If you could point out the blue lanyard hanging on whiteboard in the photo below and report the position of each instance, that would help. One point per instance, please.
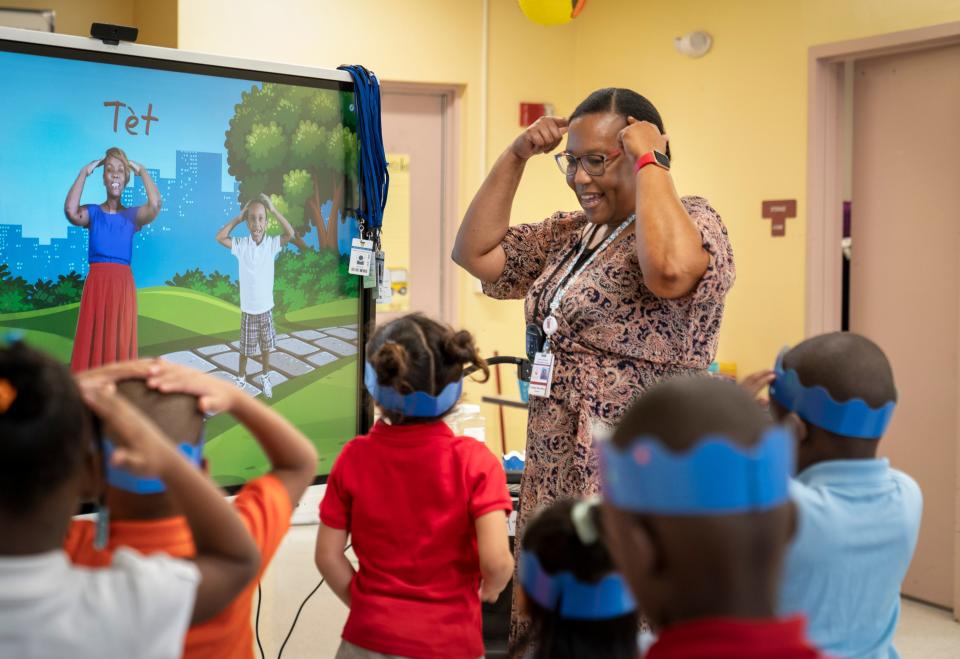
(372, 172)
(374, 184)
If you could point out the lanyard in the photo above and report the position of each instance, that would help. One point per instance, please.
(571, 254)
(550, 322)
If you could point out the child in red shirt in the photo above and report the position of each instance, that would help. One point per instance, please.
(425, 509)
(175, 398)
(697, 516)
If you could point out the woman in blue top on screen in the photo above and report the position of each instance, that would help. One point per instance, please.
(107, 324)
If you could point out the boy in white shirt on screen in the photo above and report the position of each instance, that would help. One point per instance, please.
(256, 254)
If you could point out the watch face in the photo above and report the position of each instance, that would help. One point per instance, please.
(662, 159)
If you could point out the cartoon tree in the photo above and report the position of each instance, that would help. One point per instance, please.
(14, 292)
(299, 146)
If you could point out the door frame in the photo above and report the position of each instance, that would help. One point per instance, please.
(451, 99)
(826, 65)
(825, 139)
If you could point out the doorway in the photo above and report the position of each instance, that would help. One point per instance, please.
(420, 137)
(904, 281)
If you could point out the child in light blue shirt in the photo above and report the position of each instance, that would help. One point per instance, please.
(858, 518)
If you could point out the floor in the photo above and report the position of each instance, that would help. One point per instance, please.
(928, 632)
(924, 631)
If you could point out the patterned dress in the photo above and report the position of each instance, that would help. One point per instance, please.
(615, 340)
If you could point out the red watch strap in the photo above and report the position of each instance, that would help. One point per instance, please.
(649, 158)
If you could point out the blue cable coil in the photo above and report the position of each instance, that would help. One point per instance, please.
(371, 161)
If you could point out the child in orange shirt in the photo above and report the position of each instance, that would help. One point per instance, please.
(145, 518)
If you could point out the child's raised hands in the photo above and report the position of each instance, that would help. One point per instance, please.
(214, 395)
(267, 201)
(113, 373)
(141, 447)
(755, 383)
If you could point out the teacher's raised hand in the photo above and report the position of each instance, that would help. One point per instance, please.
(90, 168)
(640, 137)
(542, 136)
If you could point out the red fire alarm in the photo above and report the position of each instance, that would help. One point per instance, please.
(530, 112)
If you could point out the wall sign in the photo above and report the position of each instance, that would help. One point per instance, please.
(778, 211)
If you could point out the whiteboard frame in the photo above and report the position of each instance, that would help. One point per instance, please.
(170, 54)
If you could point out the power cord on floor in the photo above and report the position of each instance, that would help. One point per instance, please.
(256, 623)
(296, 618)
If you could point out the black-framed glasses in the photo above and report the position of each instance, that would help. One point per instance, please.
(593, 164)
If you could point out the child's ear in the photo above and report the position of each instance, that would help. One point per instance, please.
(798, 427)
(644, 549)
(630, 545)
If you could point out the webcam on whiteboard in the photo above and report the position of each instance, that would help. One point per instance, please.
(112, 35)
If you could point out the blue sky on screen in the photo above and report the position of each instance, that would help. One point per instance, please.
(53, 122)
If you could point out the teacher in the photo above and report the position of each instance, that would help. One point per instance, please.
(107, 320)
(620, 295)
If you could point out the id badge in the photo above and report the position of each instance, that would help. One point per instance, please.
(372, 279)
(361, 257)
(385, 289)
(541, 375)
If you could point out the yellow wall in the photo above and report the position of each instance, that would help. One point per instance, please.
(737, 121)
(412, 41)
(157, 19)
(74, 17)
(737, 117)
(523, 67)
(432, 41)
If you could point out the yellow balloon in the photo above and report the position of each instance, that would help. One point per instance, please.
(551, 12)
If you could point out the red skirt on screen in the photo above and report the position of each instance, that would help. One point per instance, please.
(107, 325)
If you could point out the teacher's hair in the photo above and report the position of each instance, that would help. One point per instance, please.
(119, 154)
(416, 353)
(619, 100)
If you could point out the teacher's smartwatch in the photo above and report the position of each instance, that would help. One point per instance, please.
(652, 158)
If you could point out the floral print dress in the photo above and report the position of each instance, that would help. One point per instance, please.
(615, 339)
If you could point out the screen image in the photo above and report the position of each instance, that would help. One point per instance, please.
(202, 214)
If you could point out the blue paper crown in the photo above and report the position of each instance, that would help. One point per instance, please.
(124, 480)
(715, 477)
(815, 405)
(417, 403)
(574, 599)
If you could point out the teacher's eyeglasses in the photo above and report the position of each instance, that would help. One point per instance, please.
(593, 164)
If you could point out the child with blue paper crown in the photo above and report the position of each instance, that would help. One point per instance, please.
(51, 459)
(697, 516)
(146, 517)
(858, 517)
(578, 605)
(425, 510)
